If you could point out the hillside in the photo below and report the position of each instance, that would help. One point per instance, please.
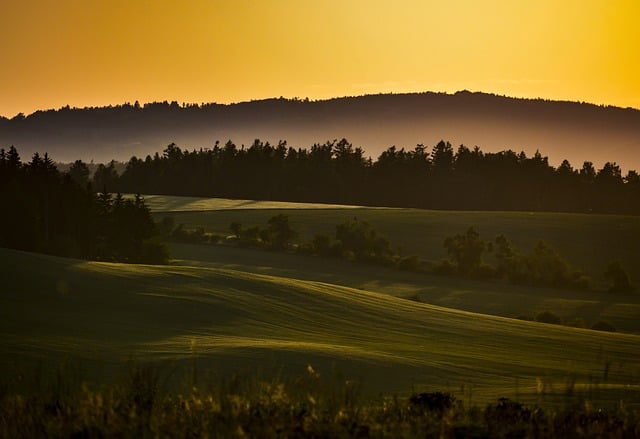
(588, 241)
(575, 131)
(104, 314)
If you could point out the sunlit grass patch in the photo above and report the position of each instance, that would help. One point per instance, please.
(169, 203)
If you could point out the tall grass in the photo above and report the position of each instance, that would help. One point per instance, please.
(311, 404)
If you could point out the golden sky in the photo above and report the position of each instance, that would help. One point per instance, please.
(100, 52)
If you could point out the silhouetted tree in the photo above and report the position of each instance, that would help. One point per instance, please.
(281, 234)
(338, 172)
(466, 251)
(79, 173)
(618, 277)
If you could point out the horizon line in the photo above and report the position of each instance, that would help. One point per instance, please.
(186, 104)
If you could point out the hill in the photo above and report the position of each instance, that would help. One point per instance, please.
(103, 313)
(560, 130)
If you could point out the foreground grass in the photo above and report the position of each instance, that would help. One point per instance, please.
(226, 320)
(308, 405)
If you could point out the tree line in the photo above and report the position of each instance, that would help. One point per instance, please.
(58, 213)
(469, 255)
(440, 177)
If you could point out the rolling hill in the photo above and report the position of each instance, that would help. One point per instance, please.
(103, 314)
(587, 241)
(560, 130)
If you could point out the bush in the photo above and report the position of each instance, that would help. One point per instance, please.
(618, 277)
(601, 325)
(434, 402)
(250, 236)
(281, 234)
(409, 263)
(414, 298)
(485, 271)
(466, 251)
(546, 267)
(508, 419)
(548, 317)
(579, 280)
(444, 267)
(363, 241)
(166, 226)
(322, 245)
(153, 252)
(577, 322)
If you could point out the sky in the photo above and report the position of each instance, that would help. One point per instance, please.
(104, 52)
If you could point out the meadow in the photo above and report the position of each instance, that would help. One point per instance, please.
(103, 314)
(266, 318)
(587, 242)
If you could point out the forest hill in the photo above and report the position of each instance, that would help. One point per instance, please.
(338, 172)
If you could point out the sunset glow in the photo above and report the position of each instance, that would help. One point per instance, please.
(99, 52)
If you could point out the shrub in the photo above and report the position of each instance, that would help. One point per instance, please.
(166, 226)
(414, 298)
(434, 402)
(577, 322)
(153, 252)
(601, 325)
(409, 263)
(281, 234)
(444, 267)
(466, 251)
(363, 241)
(548, 317)
(618, 277)
(579, 280)
(508, 419)
(322, 245)
(485, 271)
(250, 236)
(236, 228)
(510, 263)
(546, 266)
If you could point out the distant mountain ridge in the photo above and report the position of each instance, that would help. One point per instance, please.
(558, 129)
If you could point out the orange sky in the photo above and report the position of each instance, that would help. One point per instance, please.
(100, 52)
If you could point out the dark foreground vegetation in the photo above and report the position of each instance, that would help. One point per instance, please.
(140, 405)
(58, 213)
(338, 172)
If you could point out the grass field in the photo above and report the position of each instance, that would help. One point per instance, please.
(502, 299)
(588, 242)
(167, 203)
(102, 314)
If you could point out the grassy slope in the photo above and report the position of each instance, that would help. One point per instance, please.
(234, 320)
(168, 203)
(503, 299)
(589, 242)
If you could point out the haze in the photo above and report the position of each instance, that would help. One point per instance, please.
(80, 53)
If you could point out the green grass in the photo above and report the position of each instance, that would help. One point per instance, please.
(169, 203)
(502, 299)
(100, 314)
(588, 242)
